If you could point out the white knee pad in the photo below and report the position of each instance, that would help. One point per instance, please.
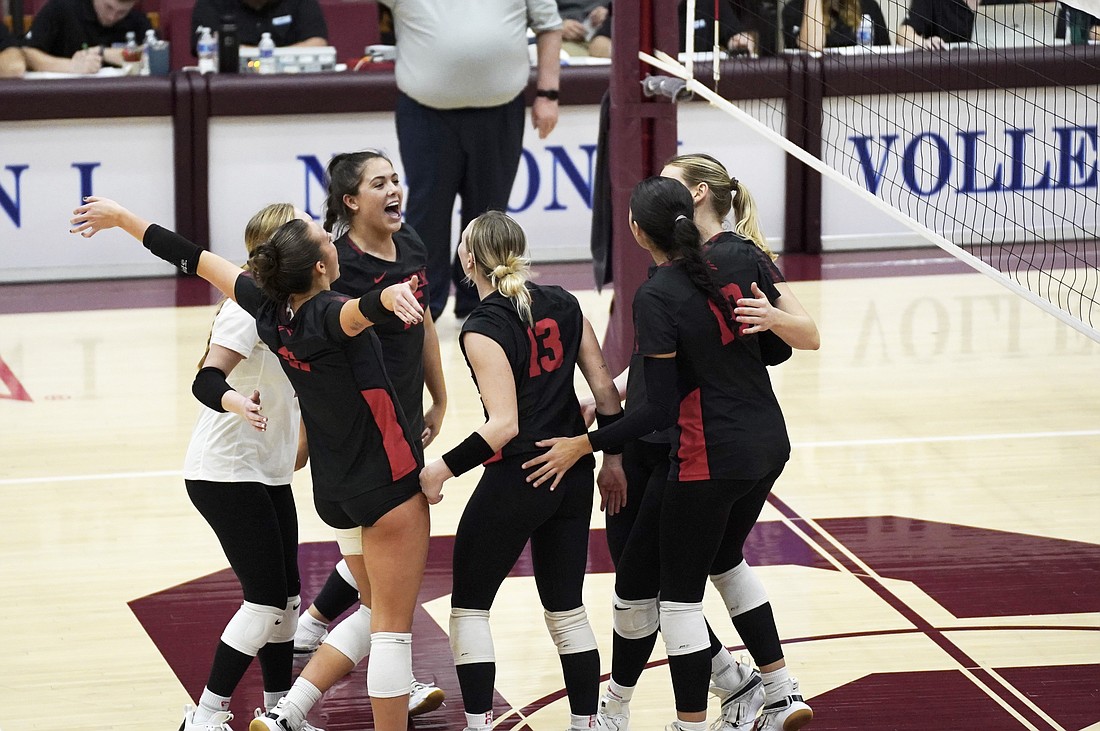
(570, 631)
(350, 541)
(345, 572)
(740, 588)
(471, 638)
(288, 625)
(389, 673)
(684, 627)
(635, 618)
(352, 636)
(251, 627)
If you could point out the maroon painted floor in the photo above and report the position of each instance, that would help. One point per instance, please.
(971, 572)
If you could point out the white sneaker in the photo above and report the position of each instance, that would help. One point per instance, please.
(306, 642)
(220, 721)
(740, 704)
(273, 720)
(424, 698)
(787, 714)
(612, 715)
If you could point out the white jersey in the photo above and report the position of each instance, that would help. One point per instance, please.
(225, 447)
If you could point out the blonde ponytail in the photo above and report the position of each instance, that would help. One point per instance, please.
(498, 244)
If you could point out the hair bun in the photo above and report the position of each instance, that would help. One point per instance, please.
(500, 271)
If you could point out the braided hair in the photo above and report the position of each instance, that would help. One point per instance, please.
(662, 208)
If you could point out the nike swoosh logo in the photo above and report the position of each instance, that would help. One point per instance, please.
(620, 609)
(379, 278)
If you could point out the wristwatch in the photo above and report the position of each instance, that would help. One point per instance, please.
(551, 94)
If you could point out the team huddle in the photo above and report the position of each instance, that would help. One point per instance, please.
(322, 353)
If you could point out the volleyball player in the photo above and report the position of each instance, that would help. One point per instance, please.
(714, 195)
(522, 343)
(364, 461)
(242, 453)
(705, 376)
(363, 210)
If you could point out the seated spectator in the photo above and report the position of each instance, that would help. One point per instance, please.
(290, 22)
(12, 62)
(932, 23)
(77, 35)
(813, 25)
(737, 31)
(580, 21)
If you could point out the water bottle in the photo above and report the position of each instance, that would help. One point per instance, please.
(131, 55)
(267, 54)
(865, 35)
(147, 47)
(207, 50)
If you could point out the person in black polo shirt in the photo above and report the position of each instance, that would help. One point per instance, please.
(290, 22)
(932, 23)
(77, 35)
(12, 62)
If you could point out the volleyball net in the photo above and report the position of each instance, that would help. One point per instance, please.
(989, 151)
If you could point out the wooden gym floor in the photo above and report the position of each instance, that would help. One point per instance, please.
(932, 550)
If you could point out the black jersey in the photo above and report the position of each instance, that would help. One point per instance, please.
(730, 425)
(358, 436)
(402, 344)
(543, 360)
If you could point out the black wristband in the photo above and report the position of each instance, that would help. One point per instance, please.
(551, 94)
(173, 248)
(209, 386)
(473, 451)
(603, 420)
(370, 305)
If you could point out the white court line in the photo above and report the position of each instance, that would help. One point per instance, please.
(794, 445)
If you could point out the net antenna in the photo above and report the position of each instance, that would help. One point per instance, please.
(1056, 266)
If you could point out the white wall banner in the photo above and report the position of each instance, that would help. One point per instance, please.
(1012, 164)
(47, 166)
(255, 161)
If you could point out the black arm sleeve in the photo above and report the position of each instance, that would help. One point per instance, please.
(173, 248)
(209, 386)
(658, 412)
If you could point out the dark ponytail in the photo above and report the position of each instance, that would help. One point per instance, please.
(342, 177)
(284, 265)
(662, 207)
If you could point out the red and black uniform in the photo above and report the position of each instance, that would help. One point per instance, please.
(402, 344)
(727, 447)
(730, 425)
(363, 458)
(505, 511)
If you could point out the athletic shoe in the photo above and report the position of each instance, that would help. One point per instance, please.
(741, 703)
(787, 714)
(220, 721)
(306, 642)
(612, 715)
(273, 720)
(424, 698)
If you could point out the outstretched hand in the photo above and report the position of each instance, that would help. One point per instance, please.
(97, 214)
(400, 299)
(249, 409)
